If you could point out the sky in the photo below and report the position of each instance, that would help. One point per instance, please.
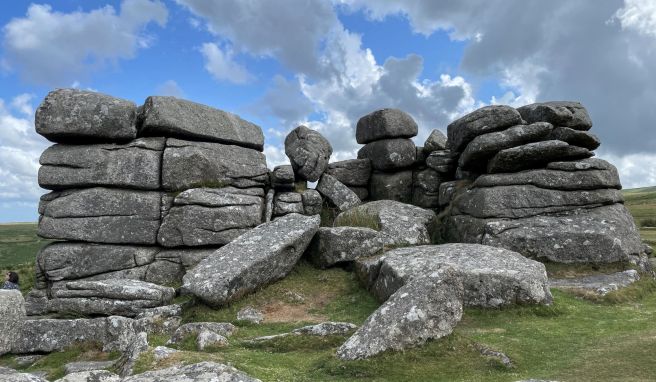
(326, 63)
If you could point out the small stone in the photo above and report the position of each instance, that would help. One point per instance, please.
(208, 338)
(250, 314)
(194, 328)
(163, 352)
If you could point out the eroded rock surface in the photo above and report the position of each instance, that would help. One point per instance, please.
(332, 245)
(384, 124)
(308, 152)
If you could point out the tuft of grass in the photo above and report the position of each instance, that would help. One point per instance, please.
(358, 218)
(564, 271)
(295, 343)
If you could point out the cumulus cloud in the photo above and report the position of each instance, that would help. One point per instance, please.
(639, 15)
(56, 48)
(221, 65)
(170, 88)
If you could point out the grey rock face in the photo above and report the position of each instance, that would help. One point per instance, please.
(428, 307)
(312, 202)
(599, 284)
(282, 178)
(12, 311)
(93, 375)
(383, 124)
(391, 186)
(525, 201)
(389, 154)
(325, 329)
(48, 335)
(77, 367)
(78, 116)
(214, 165)
(533, 155)
(447, 192)
(491, 276)
(259, 257)
(554, 179)
(268, 205)
(484, 147)
(361, 192)
(169, 116)
(425, 188)
(340, 195)
(400, 224)
(250, 314)
(308, 152)
(352, 172)
(133, 165)
(442, 161)
(211, 216)
(11, 375)
(207, 339)
(598, 235)
(110, 297)
(484, 120)
(287, 203)
(582, 165)
(558, 113)
(332, 245)
(435, 141)
(101, 215)
(199, 372)
(194, 328)
(575, 137)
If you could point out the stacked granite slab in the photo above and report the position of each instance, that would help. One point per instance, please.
(386, 137)
(528, 184)
(139, 193)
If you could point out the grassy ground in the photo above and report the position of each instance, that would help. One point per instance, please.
(575, 339)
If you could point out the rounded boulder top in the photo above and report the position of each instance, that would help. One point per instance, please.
(384, 124)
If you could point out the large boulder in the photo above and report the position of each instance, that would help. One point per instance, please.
(389, 154)
(558, 113)
(391, 186)
(484, 147)
(425, 188)
(352, 172)
(259, 257)
(188, 164)
(173, 117)
(132, 165)
(79, 116)
(11, 375)
(101, 215)
(484, 120)
(211, 216)
(554, 179)
(312, 202)
(491, 276)
(427, 307)
(575, 137)
(604, 234)
(383, 124)
(198, 372)
(332, 245)
(520, 201)
(109, 297)
(534, 155)
(12, 311)
(340, 195)
(287, 203)
(399, 223)
(309, 153)
(435, 141)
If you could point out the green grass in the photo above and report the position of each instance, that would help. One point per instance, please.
(19, 245)
(641, 202)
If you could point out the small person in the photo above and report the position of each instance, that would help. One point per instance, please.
(11, 281)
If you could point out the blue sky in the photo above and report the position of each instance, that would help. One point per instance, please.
(325, 64)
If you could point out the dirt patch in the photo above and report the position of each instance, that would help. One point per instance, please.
(282, 311)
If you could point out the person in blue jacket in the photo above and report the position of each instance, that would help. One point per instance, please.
(11, 281)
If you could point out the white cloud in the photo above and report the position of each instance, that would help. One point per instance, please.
(170, 88)
(639, 15)
(55, 48)
(221, 65)
(636, 170)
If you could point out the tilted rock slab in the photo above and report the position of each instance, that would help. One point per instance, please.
(400, 224)
(332, 245)
(384, 124)
(558, 113)
(79, 116)
(199, 372)
(485, 146)
(575, 137)
(309, 153)
(427, 307)
(173, 117)
(101, 215)
(214, 165)
(484, 120)
(132, 165)
(491, 276)
(259, 257)
(211, 216)
(110, 297)
(12, 311)
(435, 141)
(312, 202)
(11, 375)
(604, 234)
(389, 154)
(340, 195)
(352, 172)
(534, 155)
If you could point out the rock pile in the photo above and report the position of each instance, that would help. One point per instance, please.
(531, 186)
(138, 193)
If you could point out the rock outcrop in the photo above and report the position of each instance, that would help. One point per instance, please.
(12, 311)
(308, 152)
